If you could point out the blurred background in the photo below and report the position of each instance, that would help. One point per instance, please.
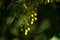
(29, 19)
